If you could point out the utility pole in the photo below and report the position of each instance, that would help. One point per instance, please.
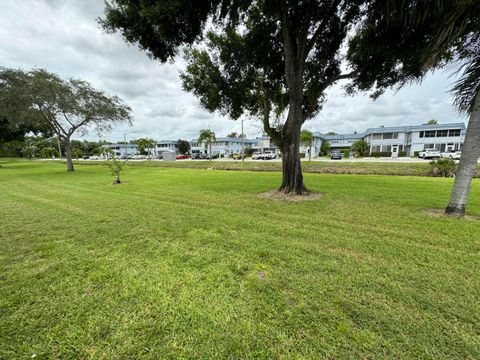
(243, 139)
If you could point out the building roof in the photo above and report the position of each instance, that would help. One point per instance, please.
(232, 139)
(166, 142)
(120, 145)
(341, 136)
(414, 128)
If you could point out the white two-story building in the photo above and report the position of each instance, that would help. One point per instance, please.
(165, 145)
(398, 140)
(122, 149)
(411, 139)
(227, 146)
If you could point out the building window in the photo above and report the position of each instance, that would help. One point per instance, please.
(454, 132)
(388, 136)
(442, 133)
(376, 148)
(430, 133)
(422, 134)
(377, 136)
(387, 148)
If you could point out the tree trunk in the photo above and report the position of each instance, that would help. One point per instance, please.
(210, 151)
(292, 178)
(68, 155)
(467, 167)
(310, 152)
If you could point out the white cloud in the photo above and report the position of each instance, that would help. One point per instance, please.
(63, 36)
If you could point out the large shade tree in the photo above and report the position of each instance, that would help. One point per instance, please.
(400, 41)
(67, 107)
(289, 52)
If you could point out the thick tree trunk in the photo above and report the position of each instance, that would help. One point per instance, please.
(467, 167)
(310, 152)
(68, 155)
(292, 177)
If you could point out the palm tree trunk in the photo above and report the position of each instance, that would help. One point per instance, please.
(310, 152)
(467, 167)
(210, 150)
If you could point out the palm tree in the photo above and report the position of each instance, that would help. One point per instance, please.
(306, 138)
(207, 136)
(146, 144)
(457, 39)
(437, 33)
(361, 147)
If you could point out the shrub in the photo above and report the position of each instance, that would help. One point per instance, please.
(360, 147)
(248, 151)
(415, 153)
(346, 153)
(443, 167)
(402, 154)
(381, 154)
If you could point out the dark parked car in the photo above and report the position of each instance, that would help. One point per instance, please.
(336, 155)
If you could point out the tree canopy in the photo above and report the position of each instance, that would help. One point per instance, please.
(66, 107)
(400, 41)
(183, 146)
(260, 57)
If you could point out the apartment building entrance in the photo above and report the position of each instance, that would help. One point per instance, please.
(394, 151)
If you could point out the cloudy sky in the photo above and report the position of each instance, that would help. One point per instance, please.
(63, 36)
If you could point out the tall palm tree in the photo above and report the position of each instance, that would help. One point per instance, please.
(146, 144)
(306, 138)
(207, 136)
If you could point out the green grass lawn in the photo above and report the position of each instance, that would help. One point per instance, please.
(322, 167)
(189, 263)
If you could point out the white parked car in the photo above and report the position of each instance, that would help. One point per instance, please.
(265, 156)
(455, 155)
(94, 157)
(429, 154)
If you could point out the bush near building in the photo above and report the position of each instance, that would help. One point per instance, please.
(443, 167)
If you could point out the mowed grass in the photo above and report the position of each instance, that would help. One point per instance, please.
(182, 263)
(321, 167)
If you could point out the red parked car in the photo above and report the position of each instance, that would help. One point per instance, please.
(182, 157)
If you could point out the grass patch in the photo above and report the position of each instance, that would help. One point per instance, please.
(178, 263)
(320, 167)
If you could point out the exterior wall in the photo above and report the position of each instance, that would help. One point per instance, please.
(379, 144)
(442, 143)
(162, 146)
(223, 146)
(414, 138)
(264, 144)
(122, 149)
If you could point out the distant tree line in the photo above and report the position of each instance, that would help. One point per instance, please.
(38, 146)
